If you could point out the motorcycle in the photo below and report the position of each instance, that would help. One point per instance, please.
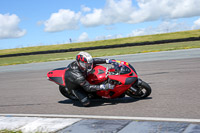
(121, 74)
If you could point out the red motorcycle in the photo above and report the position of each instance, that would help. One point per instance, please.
(121, 74)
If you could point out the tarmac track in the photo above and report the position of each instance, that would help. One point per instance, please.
(175, 84)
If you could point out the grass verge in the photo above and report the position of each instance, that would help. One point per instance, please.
(174, 35)
(8, 131)
(99, 53)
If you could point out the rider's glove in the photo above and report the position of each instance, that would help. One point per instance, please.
(108, 61)
(114, 63)
(106, 86)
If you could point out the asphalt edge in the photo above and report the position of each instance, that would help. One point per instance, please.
(105, 117)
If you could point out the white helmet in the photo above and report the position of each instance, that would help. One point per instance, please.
(84, 61)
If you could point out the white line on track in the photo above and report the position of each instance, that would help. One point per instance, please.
(105, 117)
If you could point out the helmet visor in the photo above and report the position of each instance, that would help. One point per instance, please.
(86, 66)
(89, 66)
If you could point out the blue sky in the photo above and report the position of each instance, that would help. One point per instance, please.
(26, 23)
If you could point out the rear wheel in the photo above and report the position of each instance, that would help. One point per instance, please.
(66, 93)
(140, 91)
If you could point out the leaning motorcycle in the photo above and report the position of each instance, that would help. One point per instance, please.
(121, 74)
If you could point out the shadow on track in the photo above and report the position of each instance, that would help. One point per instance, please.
(103, 102)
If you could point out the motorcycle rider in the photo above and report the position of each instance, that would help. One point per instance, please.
(75, 77)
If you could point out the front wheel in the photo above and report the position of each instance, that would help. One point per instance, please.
(142, 90)
(66, 93)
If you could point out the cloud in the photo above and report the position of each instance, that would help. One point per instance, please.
(92, 19)
(114, 12)
(9, 26)
(85, 9)
(164, 27)
(108, 37)
(123, 11)
(83, 37)
(62, 20)
(196, 24)
(166, 9)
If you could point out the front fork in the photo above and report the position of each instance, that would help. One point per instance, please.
(139, 82)
(135, 88)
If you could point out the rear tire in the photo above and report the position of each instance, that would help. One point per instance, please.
(143, 91)
(67, 94)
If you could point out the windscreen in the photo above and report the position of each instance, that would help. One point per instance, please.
(124, 70)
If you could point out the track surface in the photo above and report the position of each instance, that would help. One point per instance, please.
(175, 84)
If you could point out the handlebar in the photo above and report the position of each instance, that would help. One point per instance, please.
(118, 68)
(115, 69)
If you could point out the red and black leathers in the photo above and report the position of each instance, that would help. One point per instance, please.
(76, 81)
(75, 78)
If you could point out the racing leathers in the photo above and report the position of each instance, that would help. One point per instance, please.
(76, 82)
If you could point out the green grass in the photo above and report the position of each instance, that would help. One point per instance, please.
(99, 53)
(175, 35)
(8, 131)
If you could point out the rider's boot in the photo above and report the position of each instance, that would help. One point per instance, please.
(81, 95)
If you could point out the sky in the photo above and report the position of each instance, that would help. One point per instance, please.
(25, 23)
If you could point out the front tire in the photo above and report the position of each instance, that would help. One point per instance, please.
(142, 90)
(66, 93)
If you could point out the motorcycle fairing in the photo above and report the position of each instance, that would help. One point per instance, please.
(130, 80)
(58, 80)
(97, 75)
(116, 92)
(121, 62)
(57, 76)
(125, 81)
